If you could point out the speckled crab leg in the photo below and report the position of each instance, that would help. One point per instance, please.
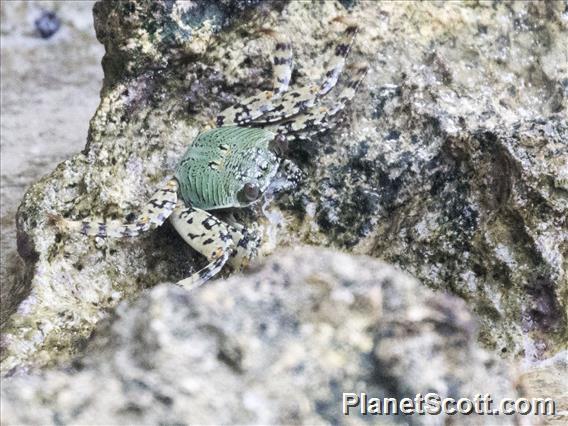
(207, 235)
(156, 211)
(304, 99)
(265, 108)
(316, 121)
(246, 247)
(337, 61)
(282, 63)
(214, 239)
(282, 66)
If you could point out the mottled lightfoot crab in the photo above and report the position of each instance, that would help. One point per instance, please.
(234, 164)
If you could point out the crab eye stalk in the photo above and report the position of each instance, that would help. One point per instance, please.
(250, 192)
(279, 145)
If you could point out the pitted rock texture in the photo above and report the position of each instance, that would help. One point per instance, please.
(147, 34)
(451, 162)
(276, 346)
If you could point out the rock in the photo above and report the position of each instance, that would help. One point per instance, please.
(278, 345)
(50, 90)
(149, 35)
(47, 24)
(451, 162)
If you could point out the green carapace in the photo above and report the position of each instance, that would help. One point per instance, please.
(227, 167)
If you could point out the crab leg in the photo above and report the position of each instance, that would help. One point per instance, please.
(156, 211)
(207, 235)
(302, 100)
(246, 245)
(337, 62)
(265, 108)
(282, 63)
(316, 121)
(214, 239)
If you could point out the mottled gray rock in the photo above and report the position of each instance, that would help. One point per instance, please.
(457, 173)
(276, 346)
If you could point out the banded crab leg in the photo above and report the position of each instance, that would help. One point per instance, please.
(282, 62)
(216, 240)
(156, 211)
(246, 245)
(282, 66)
(337, 61)
(318, 120)
(264, 108)
(299, 101)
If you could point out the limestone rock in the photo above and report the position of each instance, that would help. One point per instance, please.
(50, 89)
(147, 35)
(277, 346)
(451, 162)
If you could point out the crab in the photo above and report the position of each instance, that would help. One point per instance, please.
(233, 165)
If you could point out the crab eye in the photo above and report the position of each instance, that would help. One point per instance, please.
(279, 145)
(250, 192)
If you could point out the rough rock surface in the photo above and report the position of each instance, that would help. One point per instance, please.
(276, 346)
(50, 90)
(457, 174)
